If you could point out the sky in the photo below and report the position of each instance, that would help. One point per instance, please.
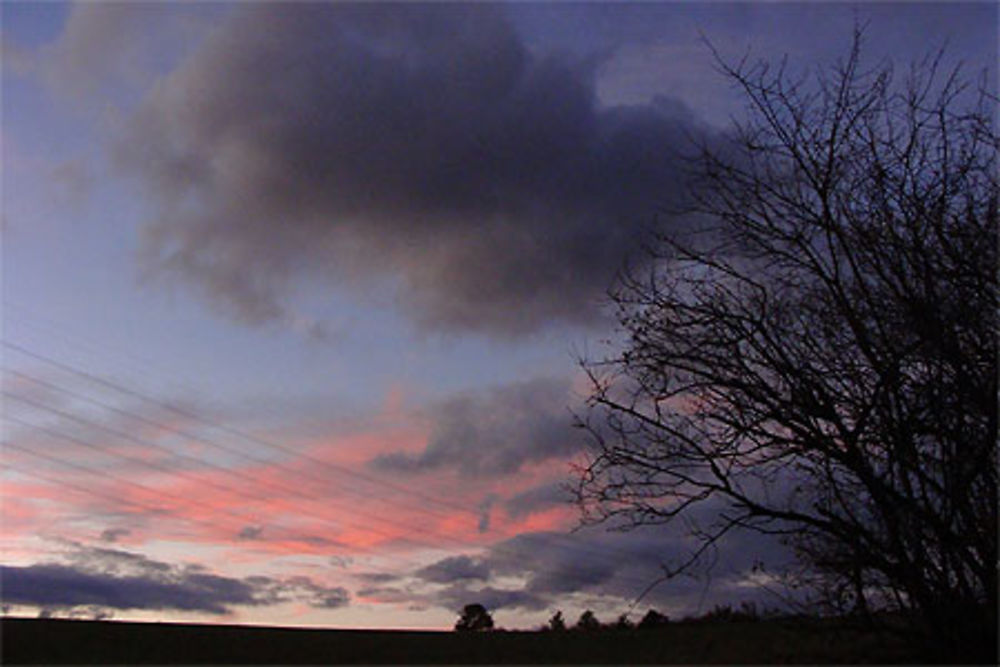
(295, 295)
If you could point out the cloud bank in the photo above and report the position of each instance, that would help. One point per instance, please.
(595, 569)
(419, 148)
(114, 579)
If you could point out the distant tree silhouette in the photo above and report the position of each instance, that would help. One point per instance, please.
(557, 623)
(818, 356)
(474, 618)
(747, 611)
(587, 622)
(653, 619)
(623, 623)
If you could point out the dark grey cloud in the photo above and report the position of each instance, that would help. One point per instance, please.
(494, 432)
(105, 560)
(455, 597)
(113, 579)
(306, 590)
(549, 569)
(588, 567)
(418, 147)
(537, 499)
(556, 563)
(450, 570)
(64, 586)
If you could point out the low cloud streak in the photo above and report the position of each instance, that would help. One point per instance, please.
(113, 579)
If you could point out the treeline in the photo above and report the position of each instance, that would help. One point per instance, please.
(475, 617)
(588, 621)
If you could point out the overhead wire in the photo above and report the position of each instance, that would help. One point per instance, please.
(295, 536)
(226, 429)
(178, 431)
(340, 470)
(581, 550)
(230, 489)
(118, 500)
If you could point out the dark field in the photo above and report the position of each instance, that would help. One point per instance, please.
(778, 641)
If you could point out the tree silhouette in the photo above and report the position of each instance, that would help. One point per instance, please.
(587, 622)
(652, 619)
(557, 623)
(623, 623)
(819, 359)
(474, 618)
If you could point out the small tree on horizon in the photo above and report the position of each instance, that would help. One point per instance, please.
(557, 623)
(588, 622)
(623, 623)
(653, 619)
(474, 618)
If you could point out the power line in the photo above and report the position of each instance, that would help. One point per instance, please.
(159, 425)
(579, 550)
(88, 344)
(296, 535)
(68, 336)
(196, 480)
(226, 429)
(264, 443)
(158, 511)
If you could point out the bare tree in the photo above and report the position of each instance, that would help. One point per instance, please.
(819, 359)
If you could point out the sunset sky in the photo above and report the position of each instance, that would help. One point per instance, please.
(294, 294)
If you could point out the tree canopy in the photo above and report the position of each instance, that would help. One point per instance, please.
(474, 618)
(818, 359)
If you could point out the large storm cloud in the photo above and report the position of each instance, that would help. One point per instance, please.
(423, 149)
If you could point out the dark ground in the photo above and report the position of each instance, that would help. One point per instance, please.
(31, 641)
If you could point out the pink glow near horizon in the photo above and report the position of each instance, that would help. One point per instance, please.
(291, 508)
